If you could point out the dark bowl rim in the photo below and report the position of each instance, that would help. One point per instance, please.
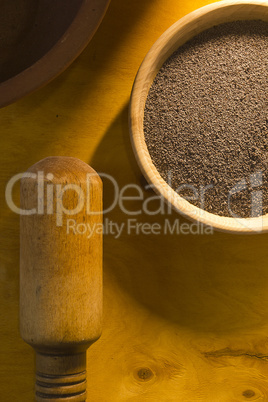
(59, 57)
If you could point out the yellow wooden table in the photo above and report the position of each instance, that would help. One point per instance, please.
(185, 316)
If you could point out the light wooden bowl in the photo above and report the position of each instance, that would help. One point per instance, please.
(175, 36)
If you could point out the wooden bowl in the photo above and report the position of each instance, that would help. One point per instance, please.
(175, 36)
(39, 39)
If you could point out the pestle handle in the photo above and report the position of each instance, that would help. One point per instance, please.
(61, 273)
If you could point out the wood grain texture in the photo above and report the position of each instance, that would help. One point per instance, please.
(185, 316)
(60, 272)
(170, 40)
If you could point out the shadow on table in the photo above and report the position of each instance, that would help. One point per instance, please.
(204, 282)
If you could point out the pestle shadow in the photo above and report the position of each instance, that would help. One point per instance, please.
(202, 282)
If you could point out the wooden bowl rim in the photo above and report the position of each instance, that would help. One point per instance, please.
(137, 102)
(59, 57)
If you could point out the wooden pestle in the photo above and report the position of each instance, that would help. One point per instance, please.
(61, 273)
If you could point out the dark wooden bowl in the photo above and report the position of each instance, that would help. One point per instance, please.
(40, 38)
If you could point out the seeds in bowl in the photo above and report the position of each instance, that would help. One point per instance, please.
(206, 119)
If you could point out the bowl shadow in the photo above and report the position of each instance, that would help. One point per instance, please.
(199, 280)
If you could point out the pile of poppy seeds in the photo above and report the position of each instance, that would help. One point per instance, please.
(206, 119)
